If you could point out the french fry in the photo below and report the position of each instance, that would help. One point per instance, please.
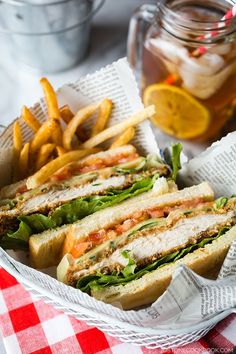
(60, 150)
(53, 166)
(124, 138)
(30, 119)
(57, 132)
(67, 115)
(43, 155)
(103, 116)
(17, 137)
(24, 161)
(51, 99)
(17, 146)
(119, 128)
(42, 136)
(78, 119)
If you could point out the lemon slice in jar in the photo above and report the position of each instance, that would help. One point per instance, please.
(177, 113)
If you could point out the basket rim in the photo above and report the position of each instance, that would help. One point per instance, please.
(106, 318)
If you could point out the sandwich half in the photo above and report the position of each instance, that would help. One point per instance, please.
(134, 264)
(77, 190)
(102, 164)
(47, 248)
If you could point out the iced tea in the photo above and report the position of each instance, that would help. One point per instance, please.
(194, 93)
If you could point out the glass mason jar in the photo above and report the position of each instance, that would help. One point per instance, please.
(184, 56)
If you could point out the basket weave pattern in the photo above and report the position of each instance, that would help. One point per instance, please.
(147, 337)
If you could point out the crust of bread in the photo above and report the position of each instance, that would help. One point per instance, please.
(11, 190)
(205, 261)
(105, 218)
(45, 249)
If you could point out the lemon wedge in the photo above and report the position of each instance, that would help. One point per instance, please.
(177, 113)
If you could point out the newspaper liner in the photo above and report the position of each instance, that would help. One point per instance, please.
(189, 299)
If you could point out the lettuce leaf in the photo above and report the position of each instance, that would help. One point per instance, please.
(175, 160)
(8, 243)
(130, 267)
(99, 281)
(17, 240)
(76, 210)
(221, 202)
(23, 233)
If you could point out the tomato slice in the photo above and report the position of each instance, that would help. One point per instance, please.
(60, 177)
(126, 225)
(79, 249)
(22, 189)
(97, 237)
(156, 213)
(128, 158)
(90, 168)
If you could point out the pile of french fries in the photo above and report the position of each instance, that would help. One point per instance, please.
(52, 146)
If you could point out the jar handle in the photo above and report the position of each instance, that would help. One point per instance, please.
(138, 26)
(2, 128)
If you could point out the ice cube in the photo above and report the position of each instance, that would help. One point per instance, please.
(167, 49)
(221, 49)
(202, 86)
(172, 68)
(207, 64)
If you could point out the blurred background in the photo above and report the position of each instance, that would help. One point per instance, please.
(19, 83)
(66, 39)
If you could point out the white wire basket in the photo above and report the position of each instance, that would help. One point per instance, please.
(72, 301)
(148, 337)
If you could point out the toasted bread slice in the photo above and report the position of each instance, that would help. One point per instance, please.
(205, 261)
(45, 248)
(10, 190)
(110, 216)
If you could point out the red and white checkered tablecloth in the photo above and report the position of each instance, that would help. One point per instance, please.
(31, 326)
